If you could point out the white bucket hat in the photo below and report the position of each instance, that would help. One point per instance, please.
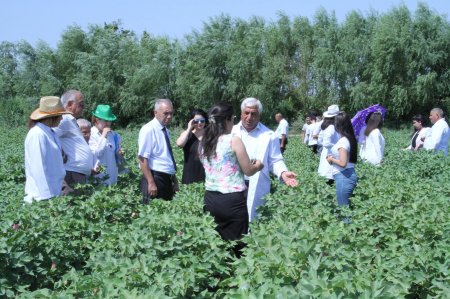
(332, 111)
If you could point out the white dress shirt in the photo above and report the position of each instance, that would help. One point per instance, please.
(104, 149)
(79, 155)
(329, 137)
(153, 147)
(44, 167)
(283, 128)
(372, 149)
(261, 144)
(437, 138)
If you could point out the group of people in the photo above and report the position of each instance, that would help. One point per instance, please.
(233, 160)
(335, 138)
(62, 150)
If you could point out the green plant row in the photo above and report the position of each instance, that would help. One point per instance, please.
(106, 244)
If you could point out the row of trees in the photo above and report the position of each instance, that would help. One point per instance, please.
(398, 59)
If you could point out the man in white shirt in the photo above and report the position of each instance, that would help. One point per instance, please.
(282, 131)
(260, 144)
(438, 136)
(78, 155)
(156, 157)
(313, 131)
(303, 134)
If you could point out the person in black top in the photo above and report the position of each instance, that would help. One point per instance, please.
(189, 140)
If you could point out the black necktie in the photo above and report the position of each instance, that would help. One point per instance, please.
(166, 136)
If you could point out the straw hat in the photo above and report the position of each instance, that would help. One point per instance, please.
(332, 111)
(48, 107)
(104, 112)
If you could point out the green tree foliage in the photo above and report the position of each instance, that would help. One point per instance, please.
(398, 59)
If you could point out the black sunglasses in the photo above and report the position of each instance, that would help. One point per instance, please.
(201, 120)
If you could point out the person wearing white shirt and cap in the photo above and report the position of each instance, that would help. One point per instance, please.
(329, 137)
(261, 144)
(437, 138)
(44, 168)
(77, 152)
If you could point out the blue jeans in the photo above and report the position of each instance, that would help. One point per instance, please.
(345, 183)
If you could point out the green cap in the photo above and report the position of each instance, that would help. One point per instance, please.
(104, 112)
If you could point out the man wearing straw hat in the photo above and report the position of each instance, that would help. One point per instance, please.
(79, 156)
(44, 168)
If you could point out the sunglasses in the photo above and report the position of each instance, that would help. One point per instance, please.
(201, 120)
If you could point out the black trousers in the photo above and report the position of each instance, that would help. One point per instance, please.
(230, 213)
(164, 183)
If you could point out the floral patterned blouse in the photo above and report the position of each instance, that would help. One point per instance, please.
(223, 173)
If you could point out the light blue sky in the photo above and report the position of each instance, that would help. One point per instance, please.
(32, 20)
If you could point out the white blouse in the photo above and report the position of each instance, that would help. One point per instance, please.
(372, 149)
(44, 167)
(105, 151)
(329, 137)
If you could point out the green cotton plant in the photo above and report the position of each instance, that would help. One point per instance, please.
(104, 243)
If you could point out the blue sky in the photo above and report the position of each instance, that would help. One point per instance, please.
(46, 20)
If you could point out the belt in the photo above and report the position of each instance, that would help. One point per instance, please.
(163, 174)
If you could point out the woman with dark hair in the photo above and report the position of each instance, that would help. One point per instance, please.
(343, 158)
(225, 160)
(327, 138)
(189, 140)
(44, 166)
(372, 148)
(420, 131)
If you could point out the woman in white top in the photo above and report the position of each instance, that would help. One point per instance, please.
(343, 158)
(419, 134)
(44, 166)
(105, 143)
(328, 137)
(372, 149)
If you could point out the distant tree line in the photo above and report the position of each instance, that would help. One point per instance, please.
(398, 59)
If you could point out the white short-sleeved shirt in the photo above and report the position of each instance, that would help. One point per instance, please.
(372, 149)
(153, 147)
(329, 138)
(283, 128)
(344, 143)
(313, 129)
(79, 155)
(104, 149)
(437, 138)
(44, 167)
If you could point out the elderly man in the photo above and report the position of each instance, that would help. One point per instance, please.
(155, 155)
(262, 144)
(282, 131)
(437, 138)
(77, 154)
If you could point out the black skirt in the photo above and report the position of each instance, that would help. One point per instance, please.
(230, 213)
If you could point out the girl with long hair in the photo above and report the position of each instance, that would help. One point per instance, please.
(225, 160)
(343, 158)
(372, 149)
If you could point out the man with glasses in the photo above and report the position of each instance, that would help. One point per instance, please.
(261, 144)
(156, 158)
(76, 152)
